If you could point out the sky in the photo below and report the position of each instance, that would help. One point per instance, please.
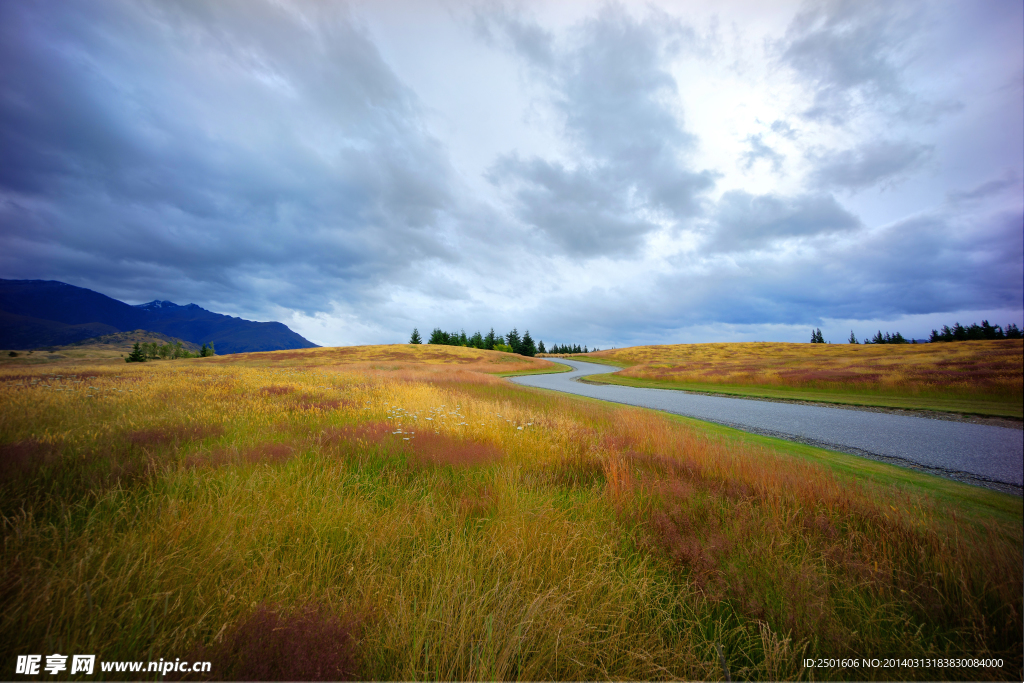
(601, 173)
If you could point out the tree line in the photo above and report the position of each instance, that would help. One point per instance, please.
(152, 350)
(510, 343)
(879, 338)
(570, 348)
(975, 331)
(948, 334)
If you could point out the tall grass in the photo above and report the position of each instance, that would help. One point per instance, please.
(990, 370)
(432, 521)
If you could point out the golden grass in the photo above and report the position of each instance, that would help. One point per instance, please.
(977, 376)
(394, 357)
(461, 527)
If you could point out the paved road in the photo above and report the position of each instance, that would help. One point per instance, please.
(981, 454)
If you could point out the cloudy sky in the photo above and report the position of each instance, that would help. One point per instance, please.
(596, 172)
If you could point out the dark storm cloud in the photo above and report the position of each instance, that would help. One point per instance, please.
(616, 99)
(869, 164)
(211, 149)
(853, 54)
(927, 264)
(745, 222)
(583, 211)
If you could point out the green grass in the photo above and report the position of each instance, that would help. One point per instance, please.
(952, 405)
(187, 510)
(958, 499)
(520, 373)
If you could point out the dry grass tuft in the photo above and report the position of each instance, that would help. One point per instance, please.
(22, 458)
(438, 450)
(276, 391)
(147, 439)
(274, 643)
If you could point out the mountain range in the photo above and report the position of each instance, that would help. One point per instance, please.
(38, 313)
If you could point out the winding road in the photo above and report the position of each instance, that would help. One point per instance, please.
(979, 454)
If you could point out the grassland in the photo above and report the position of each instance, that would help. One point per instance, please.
(979, 377)
(109, 348)
(398, 513)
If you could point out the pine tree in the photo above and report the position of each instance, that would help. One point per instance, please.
(490, 340)
(513, 340)
(136, 356)
(527, 347)
(540, 347)
(853, 338)
(415, 338)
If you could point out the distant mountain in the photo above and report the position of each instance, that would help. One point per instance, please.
(24, 332)
(36, 313)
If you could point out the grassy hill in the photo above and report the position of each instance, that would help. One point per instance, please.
(976, 377)
(108, 348)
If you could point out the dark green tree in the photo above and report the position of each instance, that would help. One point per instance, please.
(437, 337)
(853, 338)
(477, 340)
(415, 338)
(513, 340)
(540, 347)
(527, 347)
(490, 340)
(136, 356)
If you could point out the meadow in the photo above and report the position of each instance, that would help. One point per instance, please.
(402, 513)
(977, 377)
